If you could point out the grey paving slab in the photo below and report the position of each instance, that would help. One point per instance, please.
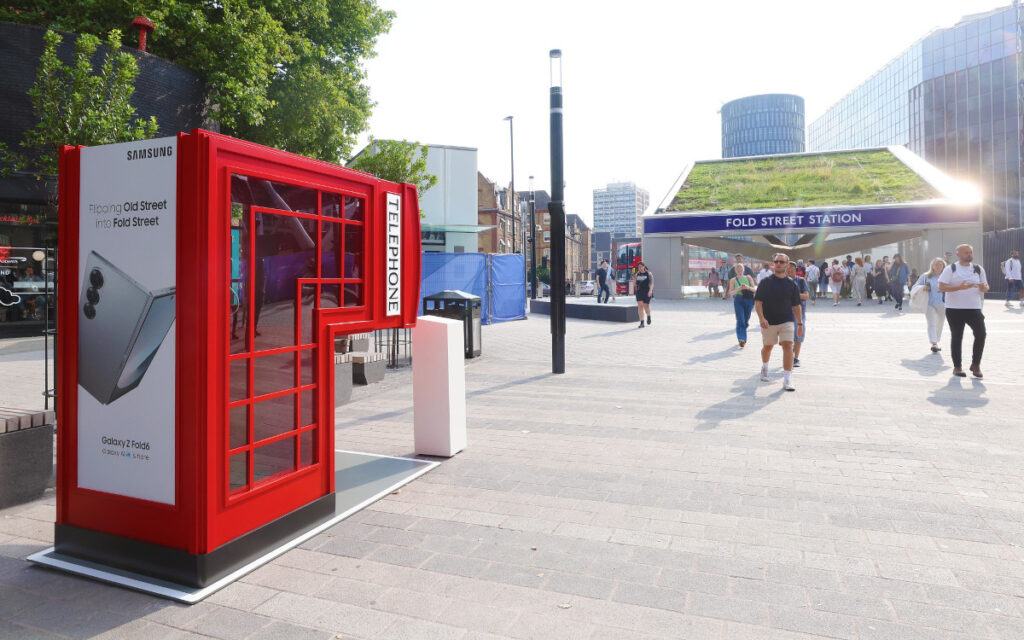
(655, 490)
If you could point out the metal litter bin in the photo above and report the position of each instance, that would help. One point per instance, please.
(458, 305)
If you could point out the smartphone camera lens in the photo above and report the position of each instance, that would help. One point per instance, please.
(92, 295)
(96, 278)
(89, 311)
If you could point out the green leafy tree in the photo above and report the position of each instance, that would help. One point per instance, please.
(544, 275)
(76, 106)
(397, 161)
(288, 74)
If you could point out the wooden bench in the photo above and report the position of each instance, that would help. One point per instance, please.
(26, 454)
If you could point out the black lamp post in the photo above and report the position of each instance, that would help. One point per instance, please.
(512, 159)
(533, 243)
(557, 211)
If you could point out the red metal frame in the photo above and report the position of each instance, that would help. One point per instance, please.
(205, 515)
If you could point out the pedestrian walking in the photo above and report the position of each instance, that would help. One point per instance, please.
(777, 302)
(836, 280)
(965, 284)
(881, 276)
(811, 276)
(602, 282)
(888, 288)
(801, 285)
(935, 312)
(714, 282)
(823, 279)
(1012, 273)
(869, 277)
(765, 272)
(858, 280)
(899, 273)
(644, 292)
(741, 288)
(723, 278)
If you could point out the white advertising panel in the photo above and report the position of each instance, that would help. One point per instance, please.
(126, 363)
(393, 256)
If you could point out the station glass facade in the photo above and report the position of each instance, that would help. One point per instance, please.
(763, 125)
(952, 98)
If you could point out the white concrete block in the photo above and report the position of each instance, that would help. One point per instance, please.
(439, 386)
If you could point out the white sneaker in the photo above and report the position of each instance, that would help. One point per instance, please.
(788, 385)
(764, 375)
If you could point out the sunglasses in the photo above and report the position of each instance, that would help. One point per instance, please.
(781, 261)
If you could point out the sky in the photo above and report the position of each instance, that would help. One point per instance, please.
(643, 81)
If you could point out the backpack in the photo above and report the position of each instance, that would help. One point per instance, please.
(977, 269)
(837, 275)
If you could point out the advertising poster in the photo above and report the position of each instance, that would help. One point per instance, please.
(126, 309)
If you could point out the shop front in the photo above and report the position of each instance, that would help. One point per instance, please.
(27, 270)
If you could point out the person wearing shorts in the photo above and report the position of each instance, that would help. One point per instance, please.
(777, 303)
(644, 292)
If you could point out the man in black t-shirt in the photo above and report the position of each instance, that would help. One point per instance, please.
(602, 282)
(777, 303)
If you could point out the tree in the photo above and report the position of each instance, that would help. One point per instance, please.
(285, 74)
(544, 275)
(397, 161)
(77, 106)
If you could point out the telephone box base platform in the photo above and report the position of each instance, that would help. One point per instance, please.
(361, 479)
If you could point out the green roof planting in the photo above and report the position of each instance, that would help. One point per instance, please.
(803, 180)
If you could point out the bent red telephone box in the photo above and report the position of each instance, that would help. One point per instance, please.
(203, 280)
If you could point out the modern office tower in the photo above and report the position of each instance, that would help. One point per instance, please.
(763, 125)
(618, 207)
(952, 97)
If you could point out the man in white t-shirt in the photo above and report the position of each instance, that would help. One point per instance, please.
(964, 284)
(763, 273)
(1011, 269)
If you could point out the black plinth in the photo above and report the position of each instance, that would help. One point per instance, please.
(606, 312)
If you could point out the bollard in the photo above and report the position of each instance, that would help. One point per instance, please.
(438, 386)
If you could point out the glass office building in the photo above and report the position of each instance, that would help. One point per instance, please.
(951, 98)
(619, 206)
(763, 125)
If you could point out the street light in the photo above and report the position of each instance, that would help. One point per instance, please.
(557, 210)
(512, 156)
(533, 243)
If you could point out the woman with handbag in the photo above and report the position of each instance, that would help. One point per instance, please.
(881, 281)
(742, 288)
(935, 312)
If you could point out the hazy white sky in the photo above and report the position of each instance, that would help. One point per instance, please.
(643, 80)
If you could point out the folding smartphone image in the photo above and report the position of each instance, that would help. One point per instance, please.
(121, 325)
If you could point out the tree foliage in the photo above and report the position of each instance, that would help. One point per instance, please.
(76, 106)
(285, 73)
(397, 161)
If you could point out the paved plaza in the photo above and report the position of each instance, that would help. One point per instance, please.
(656, 490)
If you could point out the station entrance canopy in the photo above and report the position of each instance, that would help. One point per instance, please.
(811, 206)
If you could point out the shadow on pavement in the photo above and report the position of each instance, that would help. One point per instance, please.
(959, 398)
(741, 405)
(930, 365)
(711, 336)
(717, 355)
(608, 334)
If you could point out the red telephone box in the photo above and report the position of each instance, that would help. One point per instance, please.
(203, 280)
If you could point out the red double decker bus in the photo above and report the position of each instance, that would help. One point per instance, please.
(626, 259)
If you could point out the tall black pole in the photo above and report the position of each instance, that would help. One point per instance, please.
(533, 243)
(512, 203)
(557, 211)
